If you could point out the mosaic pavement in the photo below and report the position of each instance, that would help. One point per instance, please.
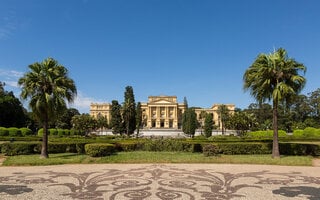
(165, 182)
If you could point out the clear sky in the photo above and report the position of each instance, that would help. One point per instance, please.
(198, 49)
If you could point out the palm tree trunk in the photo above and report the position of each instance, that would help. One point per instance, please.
(275, 146)
(44, 148)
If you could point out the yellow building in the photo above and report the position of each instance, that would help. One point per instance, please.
(162, 112)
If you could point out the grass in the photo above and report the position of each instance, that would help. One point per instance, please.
(156, 157)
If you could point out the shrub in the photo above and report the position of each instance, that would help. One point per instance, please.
(311, 132)
(4, 131)
(19, 148)
(60, 132)
(164, 144)
(129, 145)
(245, 148)
(299, 149)
(53, 131)
(210, 150)
(99, 149)
(14, 132)
(57, 147)
(40, 132)
(266, 134)
(298, 133)
(26, 131)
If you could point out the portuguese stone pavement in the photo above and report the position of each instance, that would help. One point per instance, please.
(160, 181)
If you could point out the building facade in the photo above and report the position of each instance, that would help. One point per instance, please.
(162, 112)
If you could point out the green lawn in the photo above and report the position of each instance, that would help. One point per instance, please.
(156, 157)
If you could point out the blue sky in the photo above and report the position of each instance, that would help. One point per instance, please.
(197, 49)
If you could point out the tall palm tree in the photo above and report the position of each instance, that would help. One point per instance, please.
(47, 85)
(274, 77)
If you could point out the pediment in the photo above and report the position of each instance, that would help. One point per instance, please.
(162, 101)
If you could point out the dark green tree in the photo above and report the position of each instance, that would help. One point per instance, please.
(138, 118)
(63, 120)
(84, 123)
(116, 122)
(189, 122)
(129, 111)
(274, 77)
(48, 86)
(208, 125)
(12, 113)
(223, 113)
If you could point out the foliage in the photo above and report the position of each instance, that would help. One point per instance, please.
(20, 148)
(84, 123)
(26, 131)
(208, 125)
(12, 112)
(4, 131)
(299, 149)
(13, 132)
(210, 150)
(138, 118)
(189, 122)
(224, 115)
(129, 111)
(274, 77)
(265, 134)
(240, 121)
(64, 119)
(116, 118)
(245, 148)
(47, 85)
(99, 150)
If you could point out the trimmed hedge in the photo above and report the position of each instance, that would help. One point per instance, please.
(20, 148)
(4, 131)
(26, 131)
(299, 149)
(99, 149)
(23, 148)
(245, 148)
(210, 150)
(265, 134)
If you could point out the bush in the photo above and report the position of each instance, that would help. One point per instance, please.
(266, 134)
(53, 131)
(60, 132)
(4, 131)
(14, 132)
(129, 145)
(298, 133)
(245, 148)
(210, 150)
(299, 149)
(20, 148)
(99, 149)
(164, 144)
(26, 131)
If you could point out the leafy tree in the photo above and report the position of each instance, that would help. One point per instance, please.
(129, 111)
(241, 121)
(48, 86)
(102, 122)
(138, 118)
(274, 77)
(63, 120)
(12, 112)
(116, 119)
(208, 125)
(223, 113)
(314, 102)
(84, 123)
(190, 122)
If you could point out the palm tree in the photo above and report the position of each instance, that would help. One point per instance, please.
(223, 113)
(47, 85)
(274, 77)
